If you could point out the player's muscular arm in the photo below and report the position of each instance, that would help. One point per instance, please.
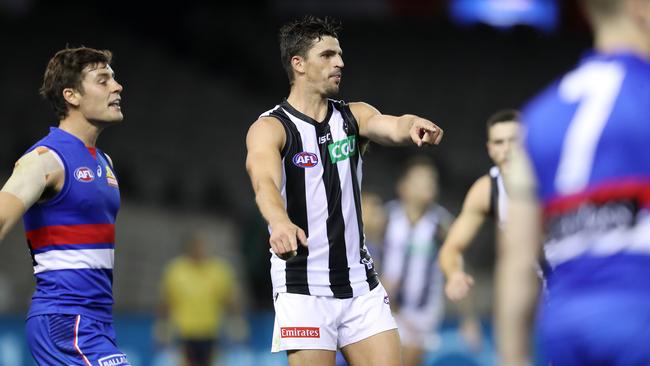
(33, 174)
(462, 232)
(516, 282)
(391, 130)
(264, 141)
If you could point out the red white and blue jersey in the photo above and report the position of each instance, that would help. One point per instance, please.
(72, 236)
(588, 136)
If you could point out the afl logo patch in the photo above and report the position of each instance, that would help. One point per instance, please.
(305, 159)
(84, 174)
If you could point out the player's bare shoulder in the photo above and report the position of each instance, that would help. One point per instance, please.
(266, 131)
(37, 175)
(362, 111)
(478, 196)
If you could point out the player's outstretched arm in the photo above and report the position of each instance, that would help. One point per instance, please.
(516, 282)
(462, 232)
(32, 174)
(264, 141)
(11, 209)
(392, 130)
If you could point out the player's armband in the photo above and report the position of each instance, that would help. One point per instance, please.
(29, 178)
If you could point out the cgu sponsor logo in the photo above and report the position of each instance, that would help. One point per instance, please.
(113, 360)
(342, 149)
(305, 159)
(300, 332)
(84, 174)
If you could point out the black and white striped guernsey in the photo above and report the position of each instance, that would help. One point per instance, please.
(322, 169)
(411, 256)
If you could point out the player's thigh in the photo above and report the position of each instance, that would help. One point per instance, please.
(412, 356)
(309, 357)
(382, 349)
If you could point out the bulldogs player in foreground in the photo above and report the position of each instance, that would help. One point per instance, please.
(581, 186)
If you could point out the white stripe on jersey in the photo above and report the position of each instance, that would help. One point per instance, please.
(601, 243)
(409, 250)
(74, 259)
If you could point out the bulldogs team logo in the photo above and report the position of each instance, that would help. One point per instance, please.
(305, 159)
(84, 174)
(110, 177)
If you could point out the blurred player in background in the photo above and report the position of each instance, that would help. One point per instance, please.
(304, 161)
(581, 185)
(198, 290)
(67, 192)
(416, 228)
(486, 198)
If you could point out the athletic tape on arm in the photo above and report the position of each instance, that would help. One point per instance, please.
(29, 178)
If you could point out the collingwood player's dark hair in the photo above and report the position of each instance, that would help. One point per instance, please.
(297, 37)
(503, 115)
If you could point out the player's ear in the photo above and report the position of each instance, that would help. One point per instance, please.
(298, 64)
(71, 96)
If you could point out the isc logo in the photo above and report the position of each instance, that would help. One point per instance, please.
(84, 174)
(305, 159)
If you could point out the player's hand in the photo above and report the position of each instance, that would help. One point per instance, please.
(285, 236)
(458, 285)
(425, 132)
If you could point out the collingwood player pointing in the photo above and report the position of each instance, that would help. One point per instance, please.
(304, 161)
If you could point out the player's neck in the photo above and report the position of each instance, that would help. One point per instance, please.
(81, 128)
(621, 36)
(414, 212)
(308, 102)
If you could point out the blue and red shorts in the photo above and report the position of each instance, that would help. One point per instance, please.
(61, 339)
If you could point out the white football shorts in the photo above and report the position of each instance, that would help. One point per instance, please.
(328, 323)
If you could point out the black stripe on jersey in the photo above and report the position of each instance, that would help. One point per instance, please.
(438, 239)
(494, 198)
(339, 271)
(399, 297)
(296, 267)
(351, 127)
